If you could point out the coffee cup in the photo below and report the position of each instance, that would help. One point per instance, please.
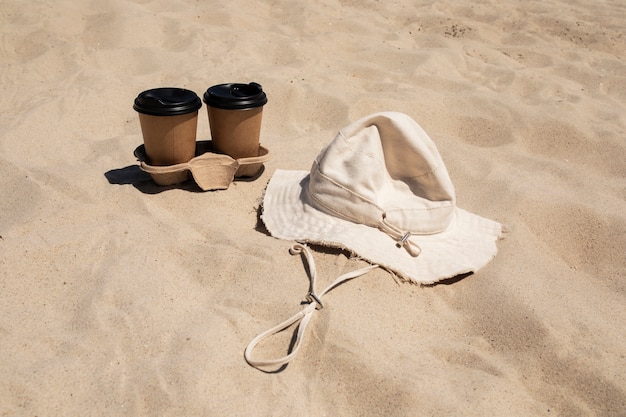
(235, 111)
(169, 122)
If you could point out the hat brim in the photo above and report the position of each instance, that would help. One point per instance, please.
(467, 245)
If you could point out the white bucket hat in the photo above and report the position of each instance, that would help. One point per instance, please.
(381, 190)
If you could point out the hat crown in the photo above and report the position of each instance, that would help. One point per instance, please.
(384, 167)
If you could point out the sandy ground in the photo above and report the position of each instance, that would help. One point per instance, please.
(122, 298)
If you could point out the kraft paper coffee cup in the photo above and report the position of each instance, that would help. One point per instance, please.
(235, 111)
(169, 122)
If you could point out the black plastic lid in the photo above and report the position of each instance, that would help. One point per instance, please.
(167, 102)
(235, 96)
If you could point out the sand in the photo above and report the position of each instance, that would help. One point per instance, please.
(122, 298)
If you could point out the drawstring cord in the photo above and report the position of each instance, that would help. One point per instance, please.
(402, 238)
(304, 316)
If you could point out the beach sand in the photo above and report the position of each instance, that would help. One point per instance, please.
(122, 298)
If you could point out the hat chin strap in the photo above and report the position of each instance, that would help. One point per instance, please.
(402, 238)
(314, 300)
